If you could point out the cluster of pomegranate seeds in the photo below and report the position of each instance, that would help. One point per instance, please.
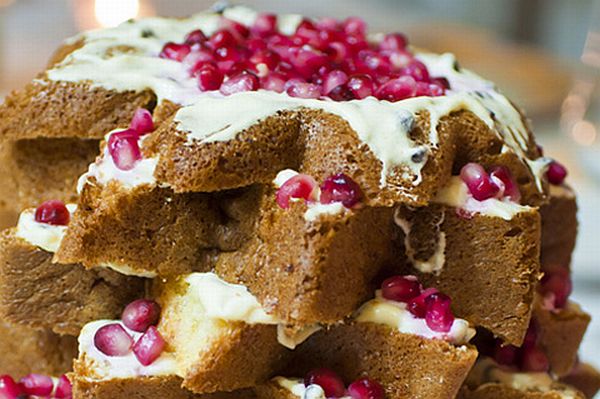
(35, 385)
(141, 316)
(498, 183)
(336, 188)
(556, 173)
(124, 147)
(325, 58)
(529, 357)
(556, 287)
(428, 304)
(333, 386)
(52, 212)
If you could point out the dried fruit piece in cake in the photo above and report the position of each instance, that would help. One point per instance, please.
(26, 350)
(397, 346)
(36, 292)
(469, 248)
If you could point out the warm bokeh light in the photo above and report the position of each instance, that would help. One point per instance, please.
(584, 132)
(113, 12)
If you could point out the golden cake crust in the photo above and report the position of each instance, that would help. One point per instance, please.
(499, 391)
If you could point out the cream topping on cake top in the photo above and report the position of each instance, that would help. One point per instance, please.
(43, 235)
(125, 58)
(456, 194)
(103, 367)
(486, 370)
(296, 386)
(396, 315)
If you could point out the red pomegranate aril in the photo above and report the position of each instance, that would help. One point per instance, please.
(397, 89)
(64, 389)
(239, 31)
(228, 54)
(37, 384)
(209, 77)
(307, 61)
(341, 93)
(142, 122)
(478, 181)
(399, 58)
(505, 355)
(222, 38)
(265, 24)
(300, 186)
(361, 86)
(338, 51)
(273, 82)
(355, 26)
(366, 388)
(416, 306)
(113, 340)
(560, 286)
(268, 58)
(341, 188)
(304, 90)
(9, 389)
(240, 83)
(438, 314)
(141, 314)
(52, 212)
(442, 82)
(534, 360)
(195, 37)
(334, 79)
(393, 41)
(507, 186)
(149, 346)
(197, 59)
(401, 288)
(332, 384)
(175, 51)
(556, 173)
(417, 70)
(124, 149)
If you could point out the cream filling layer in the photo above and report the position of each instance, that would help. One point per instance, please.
(296, 387)
(125, 58)
(396, 315)
(486, 371)
(456, 194)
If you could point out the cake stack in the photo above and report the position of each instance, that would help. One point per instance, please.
(245, 205)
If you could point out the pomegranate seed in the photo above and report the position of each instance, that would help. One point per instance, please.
(366, 388)
(141, 314)
(399, 58)
(417, 307)
(239, 83)
(478, 181)
(307, 61)
(64, 389)
(142, 122)
(334, 79)
(341, 188)
(332, 384)
(174, 51)
(195, 37)
(273, 82)
(338, 51)
(556, 173)
(505, 355)
(417, 70)
(534, 360)
(113, 340)
(37, 384)
(209, 77)
(124, 149)
(397, 89)
(239, 31)
(197, 59)
(327, 23)
(393, 41)
(401, 288)
(438, 315)
(52, 212)
(361, 86)
(559, 285)
(442, 82)
(304, 90)
(149, 347)
(266, 57)
(300, 187)
(222, 38)
(355, 26)
(9, 389)
(341, 93)
(265, 24)
(502, 178)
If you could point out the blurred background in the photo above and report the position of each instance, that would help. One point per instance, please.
(545, 54)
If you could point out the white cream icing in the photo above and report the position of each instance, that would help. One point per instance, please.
(456, 194)
(381, 125)
(296, 387)
(436, 262)
(105, 170)
(103, 367)
(396, 315)
(45, 236)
